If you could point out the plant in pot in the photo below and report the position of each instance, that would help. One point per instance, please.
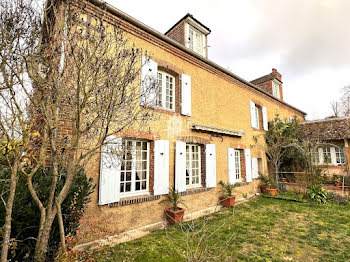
(175, 213)
(337, 180)
(272, 188)
(227, 199)
(265, 182)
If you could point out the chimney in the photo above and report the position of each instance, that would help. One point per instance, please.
(271, 83)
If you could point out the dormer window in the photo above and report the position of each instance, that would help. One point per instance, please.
(195, 40)
(276, 89)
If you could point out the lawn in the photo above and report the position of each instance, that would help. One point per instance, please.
(259, 230)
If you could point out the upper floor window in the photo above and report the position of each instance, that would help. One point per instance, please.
(166, 94)
(193, 165)
(257, 117)
(276, 89)
(195, 40)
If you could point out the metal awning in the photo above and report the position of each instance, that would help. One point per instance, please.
(218, 130)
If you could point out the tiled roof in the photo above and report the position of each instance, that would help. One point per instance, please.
(327, 129)
(263, 79)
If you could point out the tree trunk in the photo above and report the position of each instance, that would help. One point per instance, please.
(8, 217)
(61, 228)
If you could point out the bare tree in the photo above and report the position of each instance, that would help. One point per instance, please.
(19, 35)
(86, 77)
(345, 101)
(335, 108)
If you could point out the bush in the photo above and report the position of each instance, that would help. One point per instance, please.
(317, 193)
(26, 215)
(337, 199)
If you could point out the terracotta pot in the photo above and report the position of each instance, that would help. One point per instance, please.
(263, 189)
(272, 191)
(228, 201)
(337, 183)
(174, 217)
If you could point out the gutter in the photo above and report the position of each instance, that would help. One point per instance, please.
(150, 30)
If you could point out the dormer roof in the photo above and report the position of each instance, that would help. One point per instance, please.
(193, 22)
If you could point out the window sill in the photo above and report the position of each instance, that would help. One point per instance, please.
(258, 129)
(197, 190)
(134, 200)
(332, 166)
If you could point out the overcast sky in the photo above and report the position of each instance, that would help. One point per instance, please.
(308, 41)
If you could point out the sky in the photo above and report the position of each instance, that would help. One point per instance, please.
(307, 41)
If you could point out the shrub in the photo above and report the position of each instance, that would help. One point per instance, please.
(338, 199)
(317, 193)
(26, 215)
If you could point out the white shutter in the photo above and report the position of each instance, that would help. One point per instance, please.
(231, 165)
(161, 167)
(248, 165)
(210, 161)
(333, 157)
(266, 124)
(148, 82)
(180, 166)
(252, 115)
(320, 154)
(186, 95)
(109, 186)
(255, 173)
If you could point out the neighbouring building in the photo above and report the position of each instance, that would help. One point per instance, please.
(208, 118)
(333, 135)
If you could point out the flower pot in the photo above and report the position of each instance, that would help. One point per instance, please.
(263, 189)
(228, 201)
(272, 191)
(174, 217)
(337, 184)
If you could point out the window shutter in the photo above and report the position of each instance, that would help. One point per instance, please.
(161, 167)
(320, 154)
(333, 156)
(109, 186)
(186, 95)
(248, 165)
(231, 165)
(180, 166)
(266, 124)
(210, 161)
(255, 173)
(148, 81)
(252, 115)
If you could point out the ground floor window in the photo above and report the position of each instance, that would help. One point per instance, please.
(134, 173)
(327, 157)
(339, 156)
(193, 165)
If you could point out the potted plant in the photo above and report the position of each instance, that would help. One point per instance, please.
(227, 199)
(272, 188)
(265, 180)
(337, 180)
(175, 213)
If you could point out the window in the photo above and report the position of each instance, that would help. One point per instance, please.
(276, 90)
(193, 165)
(134, 173)
(339, 156)
(195, 40)
(166, 94)
(327, 158)
(315, 156)
(238, 165)
(257, 119)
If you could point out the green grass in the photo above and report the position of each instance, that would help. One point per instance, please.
(261, 230)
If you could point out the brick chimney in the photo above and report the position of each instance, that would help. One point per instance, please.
(271, 83)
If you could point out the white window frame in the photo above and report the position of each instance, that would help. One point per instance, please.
(133, 170)
(189, 163)
(326, 150)
(257, 119)
(192, 43)
(238, 168)
(162, 91)
(276, 89)
(339, 156)
(315, 156)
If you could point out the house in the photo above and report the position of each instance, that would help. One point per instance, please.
(208, 118)
(333, 135)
